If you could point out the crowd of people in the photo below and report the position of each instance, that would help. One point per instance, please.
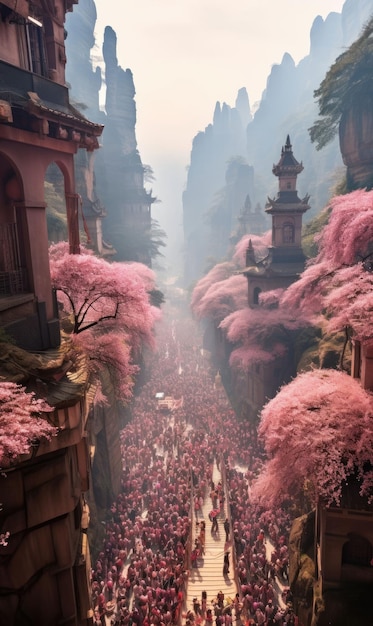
(141, 574)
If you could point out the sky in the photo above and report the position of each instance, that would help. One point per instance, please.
(186, 55)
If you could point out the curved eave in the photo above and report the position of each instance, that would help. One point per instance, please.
(67, 118)
(282, 207)
(270, 271)
(286, 170)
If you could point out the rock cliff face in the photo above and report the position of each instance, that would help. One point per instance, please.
(85, 83)
(302, 574)
(356, 142)
(221, 141)
(116, 178)
(355, 67)
(287, 106)
(127, 202)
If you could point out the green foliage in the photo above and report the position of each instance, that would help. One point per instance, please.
(157, 239)
(139, 243)
(148, 174)
(5, 338)
(341, 188)
(55, 200)
(348, 80)
(311, 229)
(324, 351)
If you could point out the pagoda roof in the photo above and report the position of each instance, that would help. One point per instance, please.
(66, 114)
(287, 163)
(287, 201)
(269, 270)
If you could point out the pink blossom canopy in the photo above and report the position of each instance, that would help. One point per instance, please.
(339, 280)
(109, 308)
(317, 431)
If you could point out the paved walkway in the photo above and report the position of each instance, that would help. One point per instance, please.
(208, 576)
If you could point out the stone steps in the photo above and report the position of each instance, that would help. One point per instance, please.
(208, 576)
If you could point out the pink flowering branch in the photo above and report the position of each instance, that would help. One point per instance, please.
(338, 282)
(21, 424)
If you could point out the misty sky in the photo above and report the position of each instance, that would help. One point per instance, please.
(187, 54)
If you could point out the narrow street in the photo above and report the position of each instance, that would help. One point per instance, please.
(182, 435)
(208, 575)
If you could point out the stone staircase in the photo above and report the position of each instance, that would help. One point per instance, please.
(208, 576)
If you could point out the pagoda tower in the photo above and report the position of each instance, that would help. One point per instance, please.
(285, 259)
(287, 210)
(277, 270)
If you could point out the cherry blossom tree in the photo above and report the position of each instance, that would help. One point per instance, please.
(260, 245)
(107, 310)
(97, 293)
(223, 290)
(218, 273)
(259, 334)
(21, 424)
(349, 302)
(317, 433)
(221, 298)
(263, 333)
(110, 350)
(338, 281)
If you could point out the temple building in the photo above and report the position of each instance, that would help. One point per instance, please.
(248, 221)
(285, 260)
(45, 565)
(38, 127)
(281, 267)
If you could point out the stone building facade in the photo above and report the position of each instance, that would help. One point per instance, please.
(45, 566)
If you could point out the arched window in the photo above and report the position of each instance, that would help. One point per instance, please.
(288, 233)
(256, 294)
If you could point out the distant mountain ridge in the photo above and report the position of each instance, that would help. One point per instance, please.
(231, 160)
(287, 106)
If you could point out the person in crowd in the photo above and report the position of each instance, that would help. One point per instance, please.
(226, 564)
(142, 566)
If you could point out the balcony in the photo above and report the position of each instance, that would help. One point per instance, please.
(15, 83)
